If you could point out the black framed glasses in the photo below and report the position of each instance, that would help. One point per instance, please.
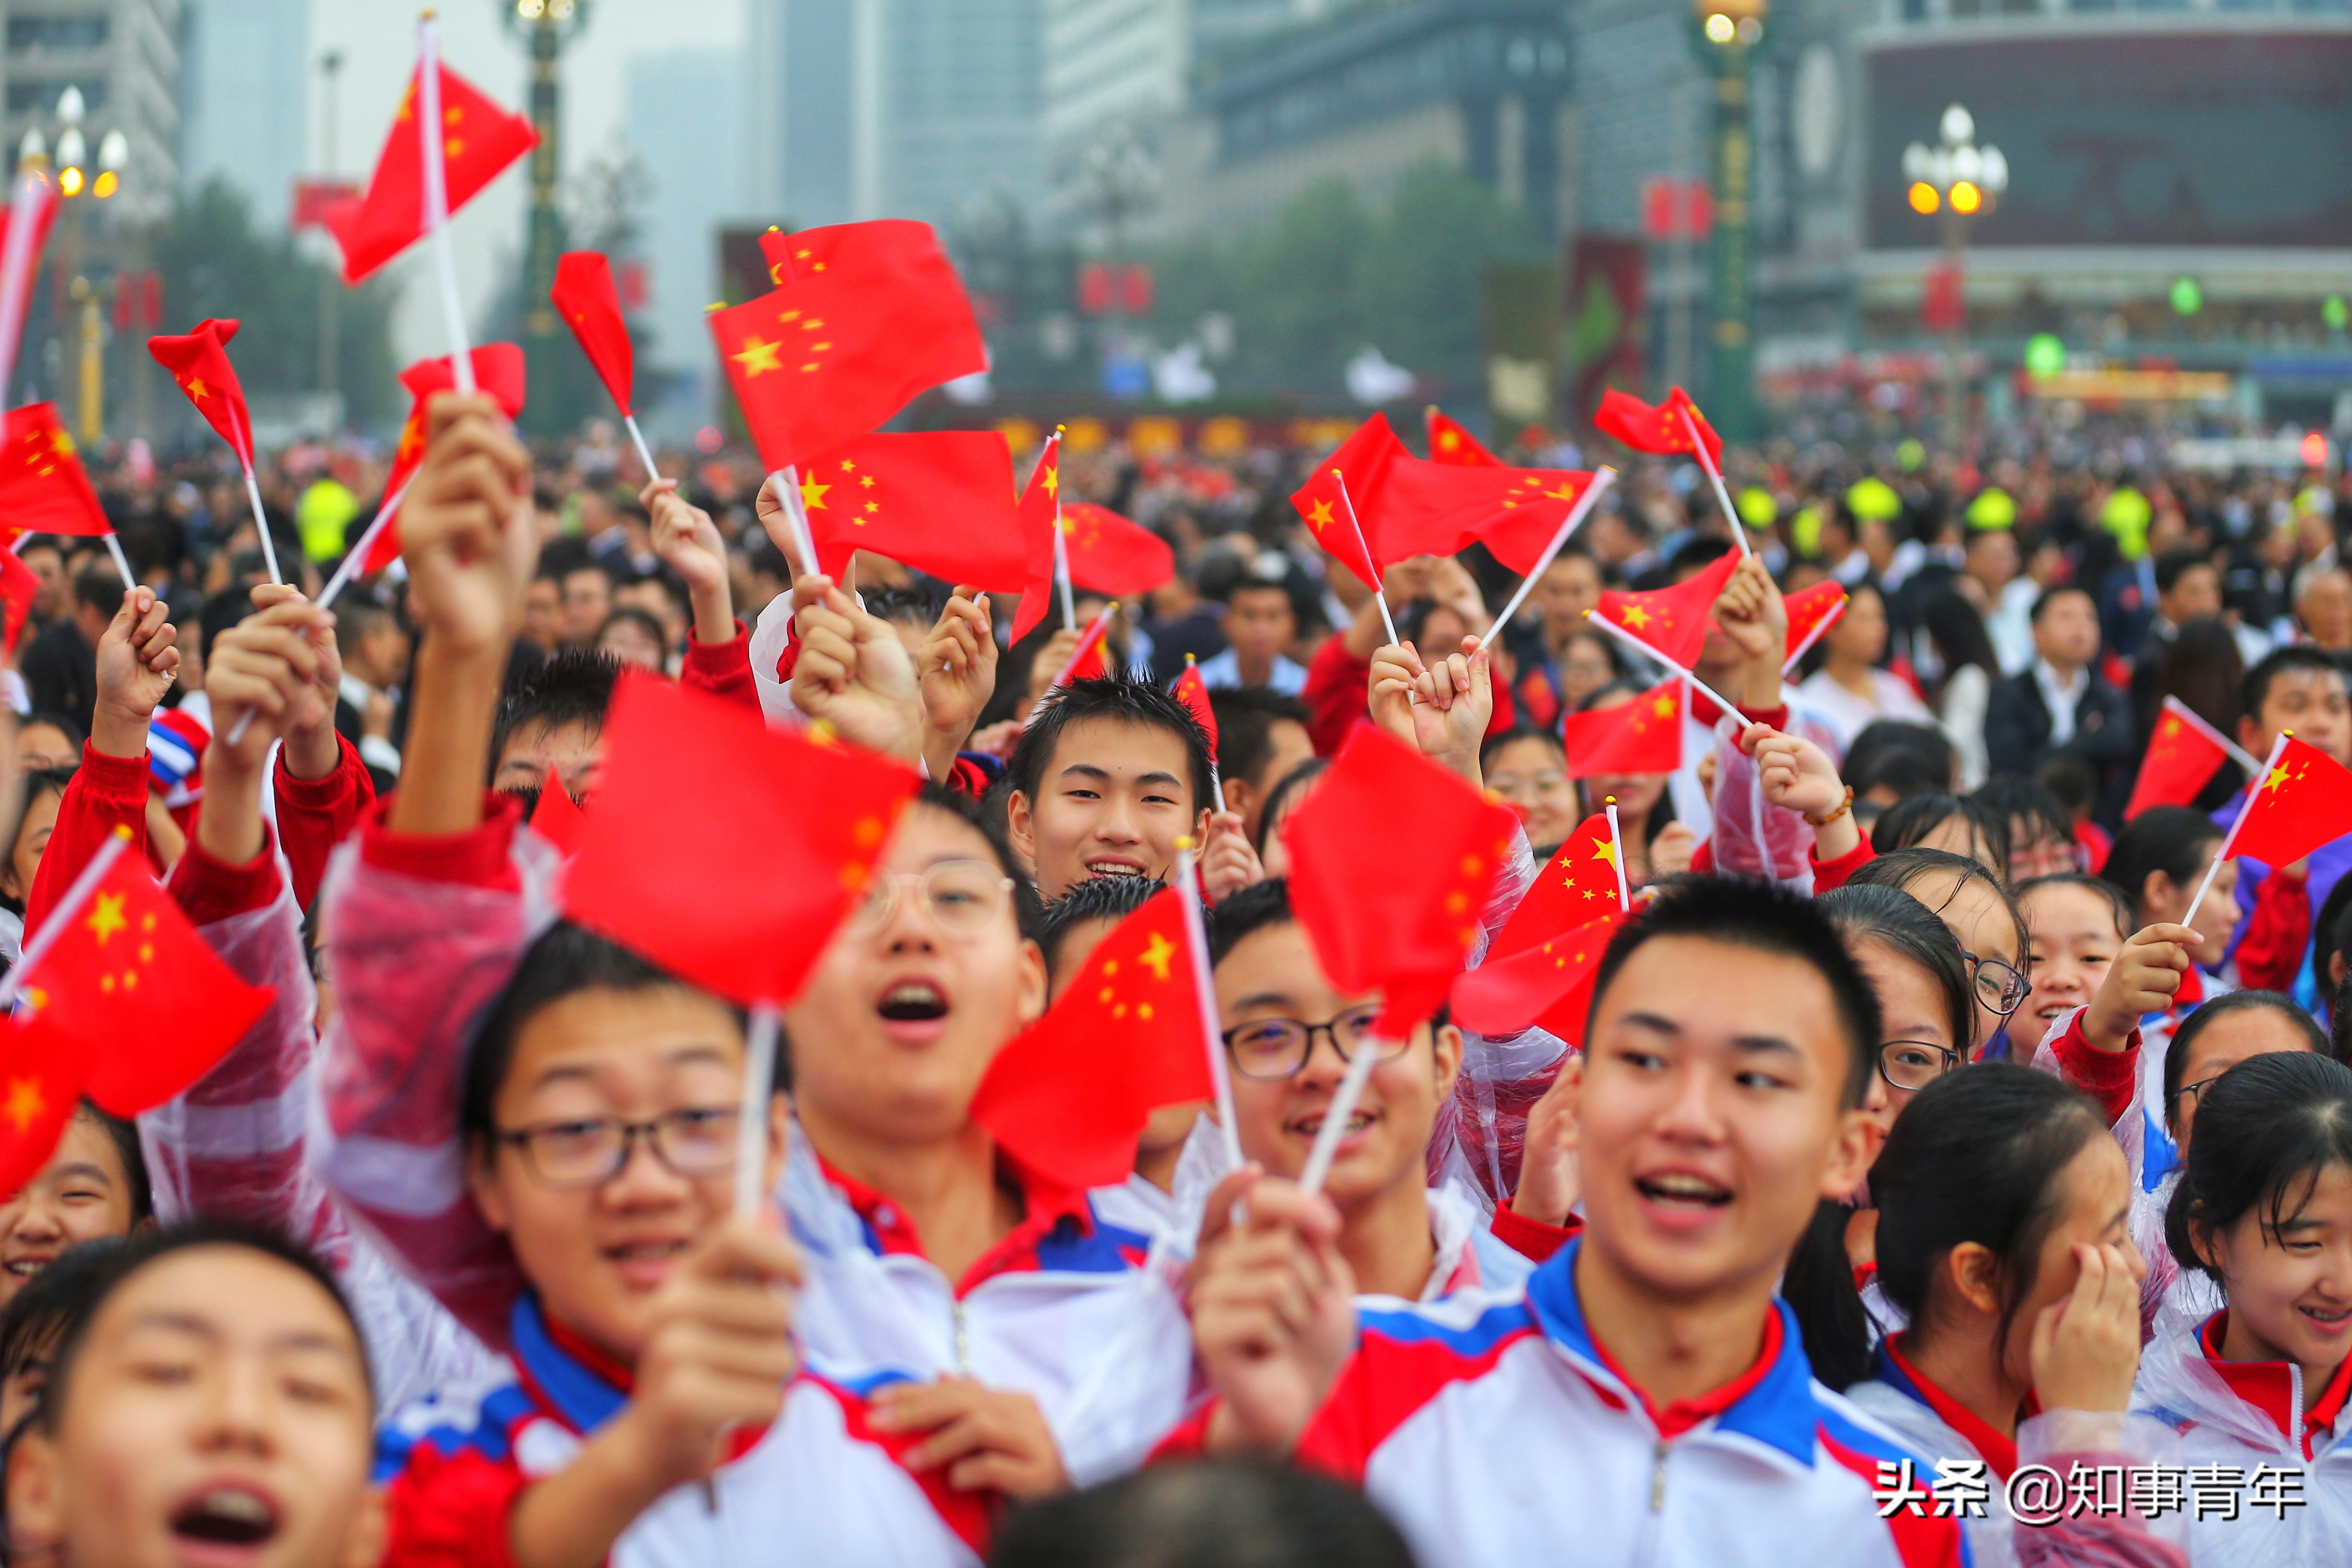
(2196, 1091)
(1915, 1064)
(1279, 1047)
(1998, 985)
(697, 1142)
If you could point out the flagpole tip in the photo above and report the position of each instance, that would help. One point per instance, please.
(1183, 840)
(121, 832)
(1609, 800)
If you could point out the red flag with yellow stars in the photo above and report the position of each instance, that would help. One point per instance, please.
(42, 487)
(1409, 506)
(1062, 1104)
(478, 140)
(131, 985)
(591, 306)
(1193, 693)
(2183, 756)
(2302, 802)
(1812, 613)
(498, 370)
(1108, 555)
(663, 878)
(40, 1084)
(1040, 514)
(1549, 985)
(941, 501)
(1644, 736)
(1672, 622)
(832, 355)
(1576, 885)
(1402, 921)
(804, 253)
(199, 365)
(1327, 502)
(1450, 443)
(1664, 428)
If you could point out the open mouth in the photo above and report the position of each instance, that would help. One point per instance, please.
(2327, 1319)
(226, 1516)
(1310, 1125)
(25, 1268)
(913, 1001)
(1685, 1190)
(1115, 866)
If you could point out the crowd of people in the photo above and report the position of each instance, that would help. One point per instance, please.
(1859, 1215)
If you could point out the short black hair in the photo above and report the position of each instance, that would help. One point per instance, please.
(1764, 917)
(124, 1135)
(38, 1313)
(1109, 898)
(2266, 1132)
(1120, 700)
(1513, 736)
(2184, 1038)
(1914, 817)
(2052, 594)
(221, 612)
(2172, 839)
(132, 1253)
(2117, 905)
(100, 586)
(1907, 759)
(2286, 660)
(1245, 719)
(70, 728)
(572, 686)
(1250, 910)
(1250, 1513)
(2178, 563)
(644, 620)
(1906, 869)
(2014, 799)
(1289, 785)
(913, 606)
(357, 614)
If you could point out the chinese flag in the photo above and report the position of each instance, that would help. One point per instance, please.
(1449, 443)
(2304, 802)
(1399, 918)
(1107, 552)
(557, 817)
(40, 1084)
(199, 364)
(42, 487)
(1644, 736)
(1409, 506)
(1325, 501)
(1664, 429)
(1086, 660)
(1040, 509)
(583, 292)
(804, 253)
(1547, 985)
(1812, 613)
(941, 501)
(1576, 885)
(1193, 693)
(131, 985)
(1069, 1096)
(662, 874)
(2182, 757)
(46, 201)
(1672, 622)
(478, 140)
(833, 353)
(18, 588)
(498, 370)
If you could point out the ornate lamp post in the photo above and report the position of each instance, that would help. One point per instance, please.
(545, 26)
(79, 182)
(1727, 36)
(1960, 180)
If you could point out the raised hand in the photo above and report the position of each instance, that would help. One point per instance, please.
(466, 528)
(2086, 1347)
(690, 544)
(1274, 1310)
(1751, 614)
(956, 670)
(136, 667)
(1050, 662)
(311, 750)
(1797, 775)
(854, 674)
(1229, 863)
(1549, 1182)
(267, 664)
(2142, 980)
(1440, 708)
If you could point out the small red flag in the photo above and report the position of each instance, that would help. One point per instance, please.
(1108, 555)
(199, 365)
(131, 985)
(557, 818)
(1402, 920)
(666, 881)
(478, 140)
(1671, 621)
(939, 500)
(498, 370)
(1063, 1104)
(2183, 756)
(2305, 801)
(1040, 509)
(1406, 505)
(1644, 736)
(42, 487)
(18, 588)
(1087, 661)
(40, 1084)
(878, 242)
(1193, 693)
(1547, 985)
(1450, 443)
(1576, 885)
(1664, 428)
(832, 355)
(1328, 504)
(583, 292)
(1812, 613)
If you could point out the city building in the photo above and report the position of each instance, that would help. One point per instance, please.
(673, 99)
(246, 73)
(124, 57)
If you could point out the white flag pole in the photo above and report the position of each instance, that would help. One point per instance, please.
(1646, 651)
(436, 198)
(1714, 475)
(121, 562)
(1196, 937)
(261, 522)
(67, 907)
(1602, 481)
(752, 1131)
(1617, 855)
(1379, 591)
(1052, 454)
(2254, 793)
(1336, 1117)
(645, 453)
(788, 492)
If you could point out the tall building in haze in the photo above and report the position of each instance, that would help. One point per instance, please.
(674, 102)
(246, 73)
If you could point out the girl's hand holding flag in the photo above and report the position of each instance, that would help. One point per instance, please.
(689, 543)
(136, 667)
(1797, 775)
(857, 676)
(2142, 979)
(1441, 709)
(1751, 614)
(267, 664)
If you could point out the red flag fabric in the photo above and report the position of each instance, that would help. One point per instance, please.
(804, 253)
(1450, 443)
(1059, 1101)
(1409, 506)
(498, 370)
(668, 881)
(1328, 507)
(557, 818)
(833, 353)
(131, 986)
(2304, 802)
(13, 307)
(1399, 922)
(42, 487)
(583, 292)
(18, 588)
(1040, 508)
(1193, 693)
(199, 365)
(1107, 552)
(1576, 885)
(1549, 985)
(1812, 613)
(478, 140)
(1672, 621)
(1644, 736)
(1662, 429)
(1087, 661)
(40, 1084)
(2183, 756)
(941, 501)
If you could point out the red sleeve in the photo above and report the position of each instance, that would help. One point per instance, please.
(448, 1511)
(477, 858)
(1532, 1237)
(316, 815)
(722, 670)
(2111, 1077)
(1336, 679)
(105, 793)
(1829, 875)
(1774, 717)
(2271, 951)
(967, 777)
(1189, 1441)
(208, 889)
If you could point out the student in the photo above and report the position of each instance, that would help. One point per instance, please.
(1289, 1035)
(551, 719)
(2263, 1211)
(212, 1404)
(1528, 769)
(1261, 737)
(1970, 899)
(1957, 824)
(2062, 706)
(2302, 689)
(95, 1185)
(1917, 971)
(1287, 795)
(35, 1319)
(2040, 831)
(1645, 1388)
(1105, 779)
(2074, 927)
(1655, 843)
(2002, 1239)
(2158, 863)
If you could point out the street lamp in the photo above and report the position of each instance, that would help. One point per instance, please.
(1954, 181)
(546, 25)
(75, 180)
(1727, 35)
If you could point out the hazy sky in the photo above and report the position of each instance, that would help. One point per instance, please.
(378, 39)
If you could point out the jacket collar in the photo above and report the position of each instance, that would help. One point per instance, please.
(1895, 1371)
(2274, 1387)
(1052, 1216)
(563, 1375)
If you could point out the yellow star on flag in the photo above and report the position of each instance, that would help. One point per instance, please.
(1157, 955)
(2170, 727)
(756, 357)
(26, 1103)
(1053, 481)
(812, 494)
(2278, 776)
(106, 916)
(1606, 850)
(1666, 706)
(1318, 516)
(195, 388)
(1637, 616)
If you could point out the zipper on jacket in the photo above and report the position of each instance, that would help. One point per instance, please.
(962, 1340)
(1658, 1481)
(2294, 1408)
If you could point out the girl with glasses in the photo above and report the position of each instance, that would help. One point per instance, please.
(1970, 901)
